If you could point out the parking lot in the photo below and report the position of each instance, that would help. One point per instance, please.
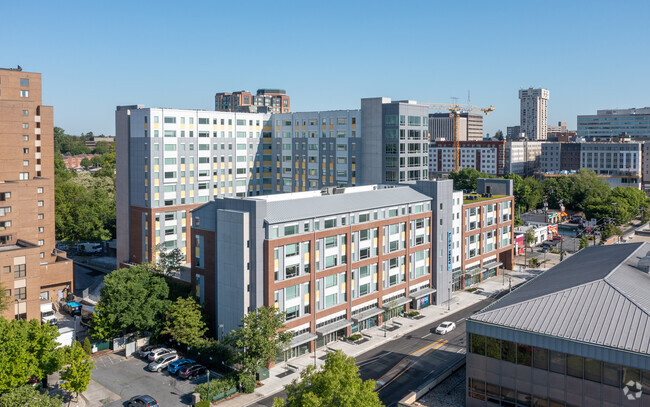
(124, 378)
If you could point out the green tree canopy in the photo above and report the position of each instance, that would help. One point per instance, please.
(498, 135)
(78, 369)
(184, 321)
(258, 339)
(529, 238)
(337, 384)
(27, 349)
(86, 163)
(28, 396)
(466, 178)
(132, 300)
(169, 261)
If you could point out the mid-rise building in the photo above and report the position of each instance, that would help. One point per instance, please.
(576, 335)
(169, 161)
(470, 126)
(560, 128)
(264, 101)
(609, 124)
(485, 156)
(33, 270)
(522, 157)
(342, 260)
(533, 113)
(617, 163)
(513, 133)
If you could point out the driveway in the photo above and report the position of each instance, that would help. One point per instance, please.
(126, 378)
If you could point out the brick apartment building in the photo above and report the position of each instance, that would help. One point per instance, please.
(32, 270)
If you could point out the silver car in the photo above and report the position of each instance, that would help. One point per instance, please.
(162, 362)
(156, 353)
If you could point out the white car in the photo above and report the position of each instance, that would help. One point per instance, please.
(445, 327)
(162, 362)
(156, 353)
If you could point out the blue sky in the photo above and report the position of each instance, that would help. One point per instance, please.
(327, 55)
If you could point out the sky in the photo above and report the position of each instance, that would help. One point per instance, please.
(328, 55)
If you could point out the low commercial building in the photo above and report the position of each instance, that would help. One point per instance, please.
(576, 335)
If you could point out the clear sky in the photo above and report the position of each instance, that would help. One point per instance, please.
(95, 55)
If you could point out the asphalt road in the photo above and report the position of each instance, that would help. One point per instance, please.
(401, 365)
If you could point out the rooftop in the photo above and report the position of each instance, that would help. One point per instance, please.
(598, 296)
(474, 198)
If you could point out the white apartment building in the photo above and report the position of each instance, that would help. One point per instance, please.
(533, 113)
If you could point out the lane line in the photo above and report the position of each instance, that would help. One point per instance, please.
(441, 344)
(406, 357)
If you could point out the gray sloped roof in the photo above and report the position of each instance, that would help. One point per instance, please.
(597, 296)
(328, 205)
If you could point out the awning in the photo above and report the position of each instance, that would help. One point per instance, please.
(302, 338)
(396, 303)
(333, 327)
(419, 294)
(473, 271)
(492, 265)
(367, 314)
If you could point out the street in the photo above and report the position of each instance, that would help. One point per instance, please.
(402, 365)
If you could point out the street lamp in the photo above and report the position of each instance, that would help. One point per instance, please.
(208, 374)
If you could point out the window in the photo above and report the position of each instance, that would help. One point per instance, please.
(24, 81)
(330, 241)
(20, 294)
(290, 230)
(508, 351)
(24, 176)
(40, 203)
(19, 271)
(540, 358)
(24, 93)
(557, 362)
(25, 163)
(330, 223)
(170, 119)
(39, 190)
(292, 292)
(574, 366)
(478, 344)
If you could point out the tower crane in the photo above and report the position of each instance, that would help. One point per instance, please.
(456, 111)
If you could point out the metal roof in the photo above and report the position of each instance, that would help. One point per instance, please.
(597, 296)
(329, 205)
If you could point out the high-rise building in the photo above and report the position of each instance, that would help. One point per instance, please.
(575, 335)
(169, 161)
(470, 126)
(610, 124)
(265, 101)
(343, 260)
(533, 113)
(33, 270)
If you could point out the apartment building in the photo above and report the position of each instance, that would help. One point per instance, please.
(169, 161)
(611, 123)
(32, 269)
(487, 232)
(337, 261)
(576, 335)
(522, 157)
(264, 101)
(470, 126)
(617, 163)
(485, 156)
(533, 113)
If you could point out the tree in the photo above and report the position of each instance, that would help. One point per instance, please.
(337, 384)
(86, 163)
(584, 242)
(171, 261)
(5, 300)
(498, 135)
(184, 321)
(76, 374)
(466, 178)
(88, 348)
(28, 396)
(97, 160)
(27, 349)
(258, 340)
(529, 238)
(102, 147)
(132, 300)
(609, 231)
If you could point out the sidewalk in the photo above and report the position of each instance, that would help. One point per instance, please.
(375, 336)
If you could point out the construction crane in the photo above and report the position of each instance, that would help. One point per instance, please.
(456, 111)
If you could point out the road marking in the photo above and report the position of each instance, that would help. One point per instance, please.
(460, 320)
(426, 335)
(426, 347)
(439, 345)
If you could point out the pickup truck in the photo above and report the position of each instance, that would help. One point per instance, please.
(47, 313)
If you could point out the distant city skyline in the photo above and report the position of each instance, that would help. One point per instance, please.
(96, 56)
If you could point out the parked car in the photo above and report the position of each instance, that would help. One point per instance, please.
(190, 371)
(177, 364)
(158, 352)
(144, 351)
(162, 362)
(143, 401)
(445, 327)
(544, 250)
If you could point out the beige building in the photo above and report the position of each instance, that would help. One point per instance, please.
(31, 269)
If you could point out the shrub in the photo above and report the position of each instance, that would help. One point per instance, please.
(247, 383)
(87, 346)
(413, 314)
(202, 403)
(218, 385)
(354, 337)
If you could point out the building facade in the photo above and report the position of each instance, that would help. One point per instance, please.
(264, 101)
(522, 157)
(558, 157)
(485, 156)
(169, 161)
(533, 113)
(470, 126)
(33, 270)
(573, 336)
(612, 123)
(513, 133)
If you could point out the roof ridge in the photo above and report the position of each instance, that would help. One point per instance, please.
(640, 245)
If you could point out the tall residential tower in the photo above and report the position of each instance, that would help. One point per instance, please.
(534, 105)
